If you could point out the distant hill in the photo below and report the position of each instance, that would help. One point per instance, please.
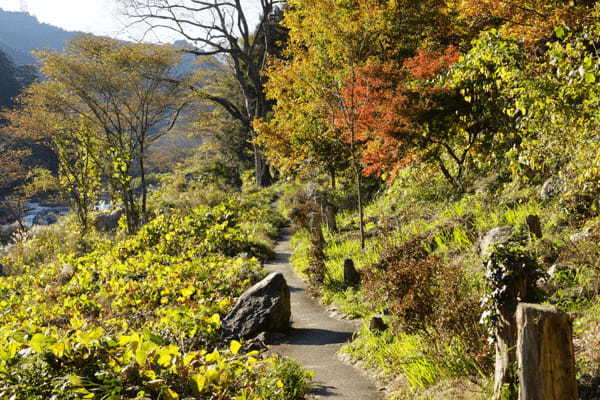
(21, 33)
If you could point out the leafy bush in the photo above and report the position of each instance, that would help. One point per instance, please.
(140, 317)
(428, 295)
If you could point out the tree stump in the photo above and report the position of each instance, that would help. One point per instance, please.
(545, 354)
(377, 324)
(535, 225)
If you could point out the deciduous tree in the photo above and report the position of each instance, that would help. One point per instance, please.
(224, 28)
(124, 93)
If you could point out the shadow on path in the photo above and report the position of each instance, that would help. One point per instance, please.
(324, 390)
(312, 336)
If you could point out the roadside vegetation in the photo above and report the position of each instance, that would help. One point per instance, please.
(138, 316)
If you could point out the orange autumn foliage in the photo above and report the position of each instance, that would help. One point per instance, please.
(388, 105)
(427, 64)
(529, 20)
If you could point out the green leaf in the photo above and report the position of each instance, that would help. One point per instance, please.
(235, 346)
(590, 77)
(200, 381)
(39, 342)
(559, 31)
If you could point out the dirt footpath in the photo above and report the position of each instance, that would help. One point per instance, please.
(315, 339)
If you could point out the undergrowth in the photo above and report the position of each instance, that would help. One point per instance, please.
(422, 270)
(139, 316)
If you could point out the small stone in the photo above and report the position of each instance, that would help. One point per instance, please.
(580, 236)
(66, 274)
(376, 324)
(351, 275)
(552, 188)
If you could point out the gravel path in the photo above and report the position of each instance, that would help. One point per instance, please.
(316, 337)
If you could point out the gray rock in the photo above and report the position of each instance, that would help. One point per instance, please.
(580, 235)
(66, 274)
(552, 188)
(47, 218)
(108, 222)
(265, 307)
(351, 275)
(494, 236)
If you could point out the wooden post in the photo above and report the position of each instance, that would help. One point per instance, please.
(545, 354)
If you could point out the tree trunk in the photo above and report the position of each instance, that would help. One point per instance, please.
(262, 173)
(131, 212)
(361, 217)
(143, 181)
(332, 176)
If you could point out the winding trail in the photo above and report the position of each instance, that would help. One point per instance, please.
(315, 338)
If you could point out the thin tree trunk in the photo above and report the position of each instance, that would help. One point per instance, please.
(332, 176)
(361, 216)
(143, 179)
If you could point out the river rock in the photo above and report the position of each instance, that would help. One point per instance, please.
(46, 218)
(108, 222)
(265, 307)
(494, 236)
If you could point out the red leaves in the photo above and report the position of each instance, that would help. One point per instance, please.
(371, 115)
(427, 64)
(384, 109)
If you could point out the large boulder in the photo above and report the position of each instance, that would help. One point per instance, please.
(265, 307)
(108, 222)
(494, 236)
